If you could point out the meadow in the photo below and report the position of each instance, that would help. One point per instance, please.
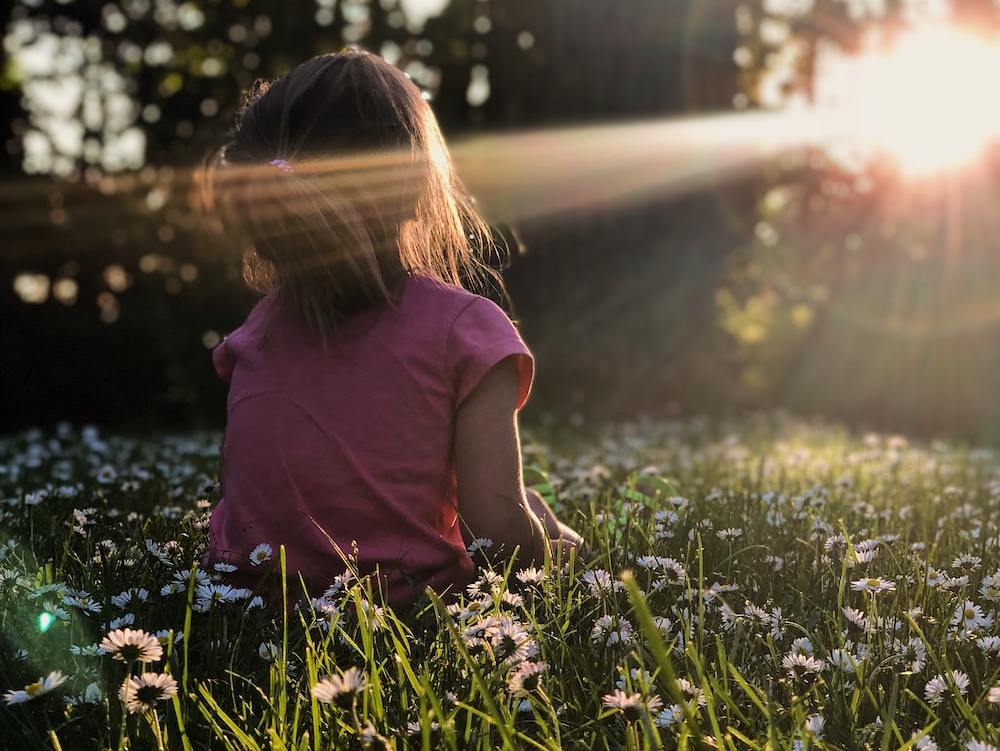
(761, 584)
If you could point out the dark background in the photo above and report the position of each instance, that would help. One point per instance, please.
(664, 305)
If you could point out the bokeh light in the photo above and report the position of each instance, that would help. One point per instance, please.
(45, 621)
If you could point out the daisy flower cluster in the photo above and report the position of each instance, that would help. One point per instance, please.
(765, 578)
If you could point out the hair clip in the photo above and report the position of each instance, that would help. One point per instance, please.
(283, 165)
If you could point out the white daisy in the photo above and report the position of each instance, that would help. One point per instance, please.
(863, 556)
(211, 593)
(130, 597)
(691, 691)
(802, 646)
(125, 619)
(488, 584)
(937, 687)
(633, 706)
(990, 587)
(511, 642)
(756, 615)
(814, 725)
(180, 580)
(874, 585)
(261, 554)
(340, 689)
(512, 599)
(800, 665)
(157, 551)
(913, 655)
(530, 575)
(142, 693)
(526, 678)
(601, 582)
(935, 578)
(634, 678)
(91, 694)
(480, 544)
(969, 617)
(989, 644)
(474, 636)
(966, 561)
(132, 645)
(669, 571)
(612, 630)
(33, 690)
(83, 601)
(856, 618)
(669, 716)
(844, 660)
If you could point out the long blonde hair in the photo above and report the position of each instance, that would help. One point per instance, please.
(339, 183)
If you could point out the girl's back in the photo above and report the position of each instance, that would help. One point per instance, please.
(369, 392)
(352, 443)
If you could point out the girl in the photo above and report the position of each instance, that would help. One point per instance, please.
(373, 401)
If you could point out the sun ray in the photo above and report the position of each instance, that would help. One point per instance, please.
(516, 175)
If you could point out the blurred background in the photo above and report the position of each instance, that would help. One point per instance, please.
(712, 205)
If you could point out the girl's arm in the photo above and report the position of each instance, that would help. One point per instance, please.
(492, 501)
(554, 528)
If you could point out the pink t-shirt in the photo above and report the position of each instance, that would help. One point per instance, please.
(353, 443)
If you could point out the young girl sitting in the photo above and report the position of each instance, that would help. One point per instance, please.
(373, 401)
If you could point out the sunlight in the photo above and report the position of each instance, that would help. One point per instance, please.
(923, 101)
(514, 175)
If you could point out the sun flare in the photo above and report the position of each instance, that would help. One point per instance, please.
(927, 100)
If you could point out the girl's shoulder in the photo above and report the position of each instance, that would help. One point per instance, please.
(426, 286)
(224, 353)
(258, 315)
(477, 334)
(444, 300)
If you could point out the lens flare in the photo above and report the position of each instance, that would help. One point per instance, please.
(45, 621)
(926, 100)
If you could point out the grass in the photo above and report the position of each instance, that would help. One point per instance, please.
(766, 584)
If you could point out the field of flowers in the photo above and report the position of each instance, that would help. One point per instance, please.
(767, 584)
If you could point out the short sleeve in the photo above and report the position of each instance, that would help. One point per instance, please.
(222, 359)
(481, 337)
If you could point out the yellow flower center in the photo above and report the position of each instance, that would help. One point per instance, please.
(874, 583)
(34, 689)
(969, 614)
